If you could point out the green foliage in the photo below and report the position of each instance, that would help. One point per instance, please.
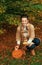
(10, 10)
(2, 8)
(1, 31)
(11, 19)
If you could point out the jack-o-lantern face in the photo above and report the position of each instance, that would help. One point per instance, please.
(17, 53)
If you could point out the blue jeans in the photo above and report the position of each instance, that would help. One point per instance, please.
(36, 42)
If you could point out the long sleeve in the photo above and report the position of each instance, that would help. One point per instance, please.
(18, 35)
(32, 34)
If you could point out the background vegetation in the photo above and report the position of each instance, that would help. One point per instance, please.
(10, 12)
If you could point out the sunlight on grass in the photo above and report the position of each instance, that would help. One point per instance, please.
(29, 60)
(1, 31)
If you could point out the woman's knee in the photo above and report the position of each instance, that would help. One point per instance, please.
(31, 47)
(36, 41)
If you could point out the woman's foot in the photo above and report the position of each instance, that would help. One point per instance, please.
(32, 52)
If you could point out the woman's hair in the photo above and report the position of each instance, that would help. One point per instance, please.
(24, 16)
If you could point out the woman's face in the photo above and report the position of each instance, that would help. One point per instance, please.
(24, 21)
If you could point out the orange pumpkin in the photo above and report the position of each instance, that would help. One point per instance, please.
(17, 53)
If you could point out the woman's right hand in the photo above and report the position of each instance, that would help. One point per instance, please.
(17, 47)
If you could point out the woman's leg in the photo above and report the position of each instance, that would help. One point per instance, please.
(31, 49)
(36, 41)
(32, 52)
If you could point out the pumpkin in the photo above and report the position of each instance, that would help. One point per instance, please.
(17, 53)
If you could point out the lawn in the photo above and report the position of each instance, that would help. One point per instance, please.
(7, 43)
(6, 58)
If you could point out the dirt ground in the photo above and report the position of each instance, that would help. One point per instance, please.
(7, 40)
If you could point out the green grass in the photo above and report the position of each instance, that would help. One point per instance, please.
(6, 58)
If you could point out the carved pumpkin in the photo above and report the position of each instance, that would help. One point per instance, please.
(17, 53)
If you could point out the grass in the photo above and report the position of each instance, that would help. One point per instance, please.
(7, 41)
(6, 58)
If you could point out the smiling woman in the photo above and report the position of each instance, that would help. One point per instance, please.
(10, 12)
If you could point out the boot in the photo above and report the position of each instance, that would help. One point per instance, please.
(32, 52)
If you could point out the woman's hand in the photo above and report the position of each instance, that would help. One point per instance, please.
(25, 43)
(17, 47)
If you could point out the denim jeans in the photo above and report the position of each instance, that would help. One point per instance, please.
(36, 42)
